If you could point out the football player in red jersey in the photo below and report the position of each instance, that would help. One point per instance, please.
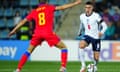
(43, 16)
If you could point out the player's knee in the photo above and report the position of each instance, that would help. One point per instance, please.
(62, 46)
(82, 44)
(31, 49)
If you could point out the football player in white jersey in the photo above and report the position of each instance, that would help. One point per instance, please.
(91, 22)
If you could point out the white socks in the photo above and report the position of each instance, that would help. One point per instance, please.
(82, 57)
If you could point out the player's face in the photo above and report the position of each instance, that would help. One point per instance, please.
(88, 9)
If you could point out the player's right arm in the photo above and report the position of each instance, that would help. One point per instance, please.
(68, 5)
(81, 28)
(21, 23)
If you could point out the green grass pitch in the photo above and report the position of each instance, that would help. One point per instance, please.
(46, 66)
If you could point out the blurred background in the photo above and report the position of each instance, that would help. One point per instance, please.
(66, 25)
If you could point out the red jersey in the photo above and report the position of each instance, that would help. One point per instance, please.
(43, 16)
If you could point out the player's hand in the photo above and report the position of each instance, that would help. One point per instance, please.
(11, 33)
(78, 1)
(100, 34)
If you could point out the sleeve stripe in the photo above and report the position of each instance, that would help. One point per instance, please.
(100, 21)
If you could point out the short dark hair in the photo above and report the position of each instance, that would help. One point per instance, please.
(92, 4)
(89, 3)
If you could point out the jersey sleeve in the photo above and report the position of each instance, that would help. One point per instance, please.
(29, 17)
(98, 17)
(81, 27)
(52, 7)
(102, 23)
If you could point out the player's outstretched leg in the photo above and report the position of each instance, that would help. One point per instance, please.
(82, 46)
(64, 53)
(82, 59)
(22, 61)
(25, 57)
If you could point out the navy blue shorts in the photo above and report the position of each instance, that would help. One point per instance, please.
(96, 43)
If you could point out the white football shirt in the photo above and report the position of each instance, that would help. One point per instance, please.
(90, 24)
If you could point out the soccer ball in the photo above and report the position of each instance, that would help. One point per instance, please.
(90, 67)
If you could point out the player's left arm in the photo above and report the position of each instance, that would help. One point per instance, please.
(62, 7)
(104, 27)
(102, 23)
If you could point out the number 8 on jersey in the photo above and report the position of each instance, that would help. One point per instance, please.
(41, 18)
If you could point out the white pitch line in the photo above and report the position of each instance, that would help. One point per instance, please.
(10, 70)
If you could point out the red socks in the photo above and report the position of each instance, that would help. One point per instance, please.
(26, 55)
(64, 57)
(23, 60)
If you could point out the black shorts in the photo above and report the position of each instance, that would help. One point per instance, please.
(96, 43)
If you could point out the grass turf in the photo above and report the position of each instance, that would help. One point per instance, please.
(41, 66)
